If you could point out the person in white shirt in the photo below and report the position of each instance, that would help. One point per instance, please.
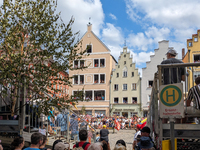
(138, 128)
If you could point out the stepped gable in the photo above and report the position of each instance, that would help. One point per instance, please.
(155, 51)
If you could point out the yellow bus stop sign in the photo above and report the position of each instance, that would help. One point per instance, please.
(170, 95)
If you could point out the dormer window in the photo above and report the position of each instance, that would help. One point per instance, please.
(195, 39)
(89, 48)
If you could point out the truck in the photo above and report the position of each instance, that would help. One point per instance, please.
(173, 124)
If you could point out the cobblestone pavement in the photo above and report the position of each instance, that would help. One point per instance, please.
(126, 135)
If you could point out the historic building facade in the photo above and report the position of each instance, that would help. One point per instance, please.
(94, 80)
(192, 56)
(149, 71)
(125, 87)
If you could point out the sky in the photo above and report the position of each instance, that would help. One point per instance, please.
(141, 23)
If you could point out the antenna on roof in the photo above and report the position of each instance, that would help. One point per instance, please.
(89, 19)
(125, 42)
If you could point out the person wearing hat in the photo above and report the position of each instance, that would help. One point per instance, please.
(145, 135)
(138, 132)
(104, 134)
(146, 143)
(171, 54)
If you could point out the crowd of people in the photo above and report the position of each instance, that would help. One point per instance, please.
(141, 141)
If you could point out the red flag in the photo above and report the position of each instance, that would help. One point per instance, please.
(143, 125)
(117, 125)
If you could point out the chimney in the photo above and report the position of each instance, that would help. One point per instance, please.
(89, 29)
(183, 52)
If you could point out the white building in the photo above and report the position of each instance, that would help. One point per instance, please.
(149, 71)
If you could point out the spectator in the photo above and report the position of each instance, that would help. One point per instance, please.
(83, 138)
(146, 143)
(104, 134)
(145, 132)
(62, 146)
(17, 144)
(95, 146)
(194, 94)
(171, 54)
(74, 126)
(54, 143)
(42, 147)
(122, 142)
(36, 141)
(119, 146)
(138, 132)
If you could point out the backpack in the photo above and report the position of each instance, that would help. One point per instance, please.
(80, 148)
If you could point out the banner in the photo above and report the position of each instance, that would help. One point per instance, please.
(117, 125)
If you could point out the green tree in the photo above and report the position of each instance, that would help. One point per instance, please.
(36, 46)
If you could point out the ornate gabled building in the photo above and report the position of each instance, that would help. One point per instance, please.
(95, 80)
(192, 56)
(125, 87)
(149, 71)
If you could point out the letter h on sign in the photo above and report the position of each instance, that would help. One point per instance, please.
(167, 95)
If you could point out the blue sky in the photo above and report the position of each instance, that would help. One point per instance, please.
(143, 23)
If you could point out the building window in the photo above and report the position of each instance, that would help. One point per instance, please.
(102, 78)
(81, 79)
(150, 83)
(124, 73)
(81, 63)
(134, 100)
(116, 87)
(134, 86)
(96, 78)
(88, 95)
(78, 95)
(133, 114)
(196, 58)
(118, 66)
(102, 62)
(116, 100)
(149, 98)
(130, 65)
(124, 62)
(99, 95)
(89, 48)
(76, 64)
(190, 44)
(117, 75)
(124, 55)
(76, 79)
(125, 100)
(132, 74)
(125, 87)
(96, 63)
(195, 39)
(116, 113)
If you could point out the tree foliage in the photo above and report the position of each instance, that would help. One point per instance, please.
(36, 47)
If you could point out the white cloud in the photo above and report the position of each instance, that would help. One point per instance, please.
(179, 13)
(113, 16)
(112, 35)
(82, 10)
(146, 40)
